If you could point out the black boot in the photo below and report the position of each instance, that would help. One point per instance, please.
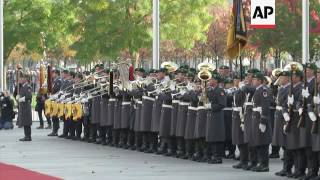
(137, 141)
(130, 140)
(115, 138)
(122, 142)
(189, 149)
(153, 139)
(163, 147)
(180, 148)
(275, 152)
(171, 151)
(145, 142)
(205, 152)
(197, 155)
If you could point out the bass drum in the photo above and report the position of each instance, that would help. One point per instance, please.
(77, 111)
(47, 107)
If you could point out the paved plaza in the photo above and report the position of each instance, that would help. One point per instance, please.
(76, 160)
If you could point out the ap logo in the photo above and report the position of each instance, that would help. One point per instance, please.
(263, 14)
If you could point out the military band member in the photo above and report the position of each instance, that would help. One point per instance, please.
(79, 122)
(181, 120)
(137, 94)
(25, 111)
(86, 112)
(165, 121)
(65, 87)
(146, 116)
(103, 125)
(57, 83)
(172, 144)
(156, 112)
(117, 115)
(215, 126)
(71, 124)
(95, 110)
(189, 136)
(126, 118)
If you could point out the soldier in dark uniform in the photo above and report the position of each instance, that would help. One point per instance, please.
(199, 133)
(215, 129)
(156, 111)
(305, 131)
(229, 90)
(292, 135)
(137, 94)
(57, 83)
(172, 144)
(25, 111)
(189, 135)
(238, 139)
(165, 121)
(76, 124)
(86, 112)
(261, 132)
(316, 110)
(103, 112)
(40, 99)
(125, 118)
(248, 89)
(279, 138)
(117, 115)
(95, 111)
(65, 87)
(274, 91)
(71, 124)
(182, 115)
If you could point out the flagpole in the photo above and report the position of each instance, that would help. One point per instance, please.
(156, 34)
(1, 46)
(305, 31)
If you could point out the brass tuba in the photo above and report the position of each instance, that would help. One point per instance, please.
(170, 66)
(205, 75)
(293, 66)
(276, 72)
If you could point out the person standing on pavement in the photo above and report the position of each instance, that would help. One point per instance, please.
(25, 111)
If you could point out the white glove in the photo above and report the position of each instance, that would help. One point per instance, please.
(316, 99)
(290, 100)
(182, 92)
(23, 99)
(242, 127)
(286, 117)
(300, 111)
(262, 127)
(241, 85)
(172, 87)
(305, 93)
(284, 128)
(189, 87)
(84, 100)
(312, 116)
(208, 106)
(18, 97)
